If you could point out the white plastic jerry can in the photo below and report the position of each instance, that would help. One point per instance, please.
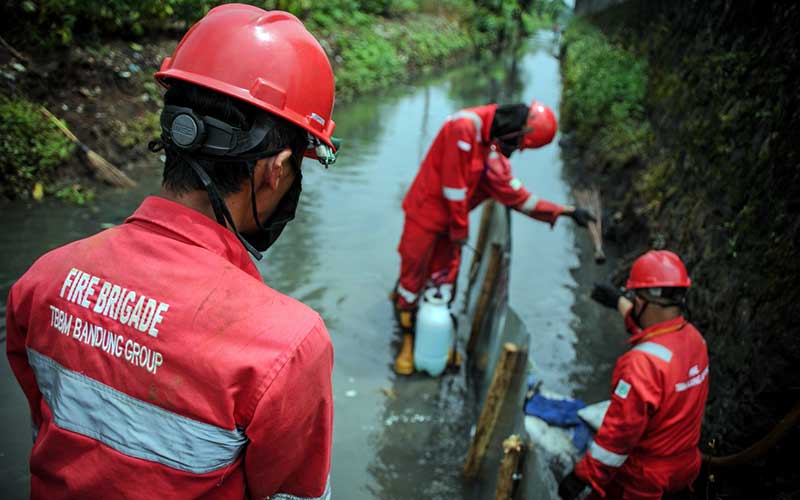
(434, 332)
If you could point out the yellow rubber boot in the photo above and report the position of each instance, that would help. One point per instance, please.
(404, 363)
(455, 363)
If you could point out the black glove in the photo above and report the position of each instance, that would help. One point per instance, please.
(570, 487)
(607, 295)
(582, 217)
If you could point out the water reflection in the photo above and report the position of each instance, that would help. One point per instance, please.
(490, 79)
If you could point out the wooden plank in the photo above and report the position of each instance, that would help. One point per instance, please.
(483, 238)
(512, 451)
(487, 288)
(501, 380)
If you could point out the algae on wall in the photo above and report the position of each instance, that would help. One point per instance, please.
(712, 171)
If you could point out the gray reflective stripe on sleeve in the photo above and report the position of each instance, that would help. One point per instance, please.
(130, 426)
(605, 456)
(656, 350)
(530, 203)
(406, 294)
(455, 194)
(464, 146)
(326, 495)
(472, 116)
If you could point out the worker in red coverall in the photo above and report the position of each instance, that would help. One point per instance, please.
(647, 444)
(155, 361)
(466, 164)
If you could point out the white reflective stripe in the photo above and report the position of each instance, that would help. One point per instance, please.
(472, 116)
(410, 297)
(605, 456)
(464, 146)
(515, 184)
(656, 350)
(455, 194)
(285, 496)
(131, 426)
(530, 203)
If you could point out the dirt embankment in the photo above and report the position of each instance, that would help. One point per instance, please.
(718, 181)
(104, 89)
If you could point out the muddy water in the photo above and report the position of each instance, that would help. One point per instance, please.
(393, 438)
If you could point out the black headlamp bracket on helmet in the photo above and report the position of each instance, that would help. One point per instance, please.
(190, 131)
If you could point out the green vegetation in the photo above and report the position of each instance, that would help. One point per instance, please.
(604, 95)
(140, 130)
(75, 194)
(31, 147)
(372, 45)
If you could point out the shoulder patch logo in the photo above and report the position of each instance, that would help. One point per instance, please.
(623, 389)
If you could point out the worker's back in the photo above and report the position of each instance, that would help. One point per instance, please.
(452, 167)
(674, 373)
(167, 368)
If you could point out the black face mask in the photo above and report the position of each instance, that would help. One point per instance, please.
(271, 229)
(508, 146)
(509, 119)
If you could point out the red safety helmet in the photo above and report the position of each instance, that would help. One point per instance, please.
(658, 269)
(265, 58)
(541, 126)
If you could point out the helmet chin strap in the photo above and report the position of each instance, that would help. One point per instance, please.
(637, 317)
(221, 211)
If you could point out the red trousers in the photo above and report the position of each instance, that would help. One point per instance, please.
(424, 255)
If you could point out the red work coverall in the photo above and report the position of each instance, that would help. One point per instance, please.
(647, 444)
(462, 168)
(157, 364)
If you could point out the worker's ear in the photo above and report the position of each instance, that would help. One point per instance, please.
(275, 168)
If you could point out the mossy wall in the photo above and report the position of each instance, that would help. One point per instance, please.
(711, 171)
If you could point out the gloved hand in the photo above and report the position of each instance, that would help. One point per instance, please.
(607, 295)
(582, 217)
(570, 487)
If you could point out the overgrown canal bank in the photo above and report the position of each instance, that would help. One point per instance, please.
(92, 65)
(687, 115)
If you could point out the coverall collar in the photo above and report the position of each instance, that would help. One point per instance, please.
(662, 328)
(176, 221)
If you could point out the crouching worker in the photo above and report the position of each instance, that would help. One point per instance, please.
(155, 361)
(466, 164)
(647, 444)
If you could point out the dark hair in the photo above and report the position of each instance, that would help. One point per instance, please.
(229, 174)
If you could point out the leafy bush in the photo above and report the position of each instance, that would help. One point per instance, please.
(30, 147)
(604, 93)
(75, 194)
(368, 62)
(140, 130)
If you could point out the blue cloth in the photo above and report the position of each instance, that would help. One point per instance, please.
(562, 413)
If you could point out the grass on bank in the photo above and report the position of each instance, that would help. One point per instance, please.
(372, 45)
(604, 95)
(31, 147)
